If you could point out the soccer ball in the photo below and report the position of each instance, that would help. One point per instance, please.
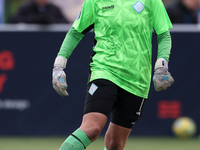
(184, 127)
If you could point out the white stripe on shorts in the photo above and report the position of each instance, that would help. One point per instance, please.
(141, 105)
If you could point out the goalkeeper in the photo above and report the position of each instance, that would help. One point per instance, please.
(120, 68)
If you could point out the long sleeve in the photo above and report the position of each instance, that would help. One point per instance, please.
(71, 40)
(164, 45)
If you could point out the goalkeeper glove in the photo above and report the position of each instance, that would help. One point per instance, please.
(59, 77)
(162, 78)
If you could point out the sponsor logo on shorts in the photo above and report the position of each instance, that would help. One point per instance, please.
(92, 89)
(138, 113)
(138, 6)
(132, 123)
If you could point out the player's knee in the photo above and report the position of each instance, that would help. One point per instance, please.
(95, 132)
(115, 144)
(92, 131)
(93, 124)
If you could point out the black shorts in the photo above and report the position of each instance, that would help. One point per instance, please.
(104, 96)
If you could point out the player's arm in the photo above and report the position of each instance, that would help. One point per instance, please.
(59, 78)
(162, 78)
(81, 26)
(164, 45)
(161, 24)
(71, 40)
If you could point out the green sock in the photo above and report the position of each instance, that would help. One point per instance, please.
(105, 148)
(77, 141)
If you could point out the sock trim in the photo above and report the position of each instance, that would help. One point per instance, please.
(78, 140)
(82, 136)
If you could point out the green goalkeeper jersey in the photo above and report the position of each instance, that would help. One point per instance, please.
(123, 31)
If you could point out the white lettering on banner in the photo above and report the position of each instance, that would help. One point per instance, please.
(14, 104)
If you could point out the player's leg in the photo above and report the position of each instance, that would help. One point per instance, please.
(89, 130)
(116, 137)
(100, 99)
(126, 111)
(92, 124)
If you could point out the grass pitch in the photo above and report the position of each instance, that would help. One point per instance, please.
(133, 143)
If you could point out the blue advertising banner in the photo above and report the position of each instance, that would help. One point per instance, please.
(30, 106)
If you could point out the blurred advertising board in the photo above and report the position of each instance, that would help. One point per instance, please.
(30, 106)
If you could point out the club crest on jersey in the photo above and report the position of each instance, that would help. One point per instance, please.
(138, 6)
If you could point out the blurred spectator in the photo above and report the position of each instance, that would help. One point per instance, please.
(40, 12)
(70, 8)
(184, 11)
